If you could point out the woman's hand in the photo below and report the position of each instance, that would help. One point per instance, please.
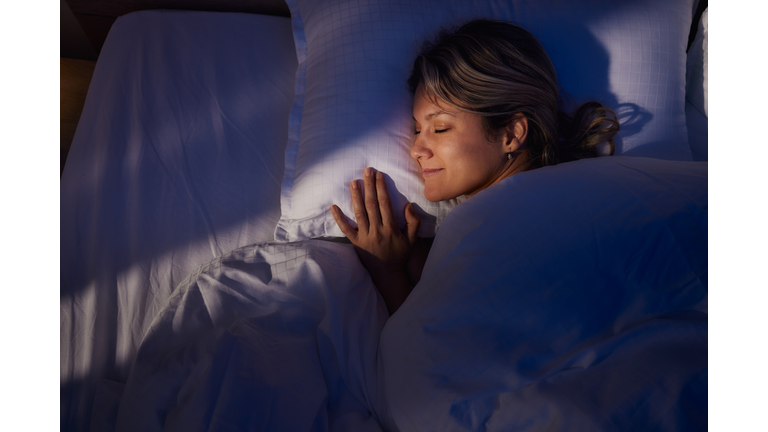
(382, 247)
(377, 232)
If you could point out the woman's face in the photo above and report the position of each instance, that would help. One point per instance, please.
(453, 152)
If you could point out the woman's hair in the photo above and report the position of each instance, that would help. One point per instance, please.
(497, 70)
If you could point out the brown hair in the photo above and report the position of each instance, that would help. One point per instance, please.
(497, 70)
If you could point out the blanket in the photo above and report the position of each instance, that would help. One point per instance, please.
(268, 337)
(567, 298)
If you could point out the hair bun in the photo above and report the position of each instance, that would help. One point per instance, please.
(588, 133)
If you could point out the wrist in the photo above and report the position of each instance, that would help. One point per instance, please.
(393, 286)
(395, 275)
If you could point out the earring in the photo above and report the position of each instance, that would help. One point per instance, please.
(509, 156)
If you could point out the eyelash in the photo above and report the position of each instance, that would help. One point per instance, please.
(436, 131)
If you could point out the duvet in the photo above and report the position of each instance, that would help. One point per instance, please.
(567, 298)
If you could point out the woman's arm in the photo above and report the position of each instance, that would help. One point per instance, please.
(383, 249)
(418, 257)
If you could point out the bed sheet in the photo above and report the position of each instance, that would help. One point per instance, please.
(177, 159)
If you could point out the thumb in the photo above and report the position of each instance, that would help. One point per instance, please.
(412, 222)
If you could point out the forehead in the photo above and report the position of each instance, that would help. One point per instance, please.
(427, 106)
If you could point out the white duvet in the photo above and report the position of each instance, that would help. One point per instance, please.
(268, 337)
(567, 298)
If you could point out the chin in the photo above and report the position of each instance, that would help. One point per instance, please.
(431, 196)
(435, 196)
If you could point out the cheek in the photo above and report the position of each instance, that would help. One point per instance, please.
(453, 153)
(462, 157)
(475, 162)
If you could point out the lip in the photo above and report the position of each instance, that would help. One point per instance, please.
(430, 172)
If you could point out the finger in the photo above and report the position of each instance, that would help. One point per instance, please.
(357, 206)
(412, 222)
(371, 202)
(344, 226)
(385, 203)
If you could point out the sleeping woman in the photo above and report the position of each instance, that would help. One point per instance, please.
(486, 106)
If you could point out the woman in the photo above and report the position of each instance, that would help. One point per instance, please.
(486, 107)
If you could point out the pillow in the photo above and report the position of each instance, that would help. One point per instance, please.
(696, 91)
(352, 108)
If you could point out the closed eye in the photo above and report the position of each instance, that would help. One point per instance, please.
(436, 131)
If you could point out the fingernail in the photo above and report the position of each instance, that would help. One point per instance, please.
(354, 184)
(378, 175)
(367, 172)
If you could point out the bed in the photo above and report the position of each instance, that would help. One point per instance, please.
(204, 285)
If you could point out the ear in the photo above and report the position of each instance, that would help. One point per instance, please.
(515, 133)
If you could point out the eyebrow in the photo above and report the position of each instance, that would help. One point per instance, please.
(435, 114)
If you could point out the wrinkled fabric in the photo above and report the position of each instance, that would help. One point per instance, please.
(177, 159)
(268, 337)
(567, 298)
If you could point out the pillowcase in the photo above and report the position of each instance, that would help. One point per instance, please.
(352, 108)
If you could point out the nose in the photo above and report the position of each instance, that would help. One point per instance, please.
(420, 148)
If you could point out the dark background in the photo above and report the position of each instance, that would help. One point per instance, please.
(95, 17)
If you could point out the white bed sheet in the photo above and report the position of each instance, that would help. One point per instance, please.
(177, 159)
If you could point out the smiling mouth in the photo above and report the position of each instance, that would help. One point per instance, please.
(430, 172)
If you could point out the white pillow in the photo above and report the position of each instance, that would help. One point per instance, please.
(352, 108)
